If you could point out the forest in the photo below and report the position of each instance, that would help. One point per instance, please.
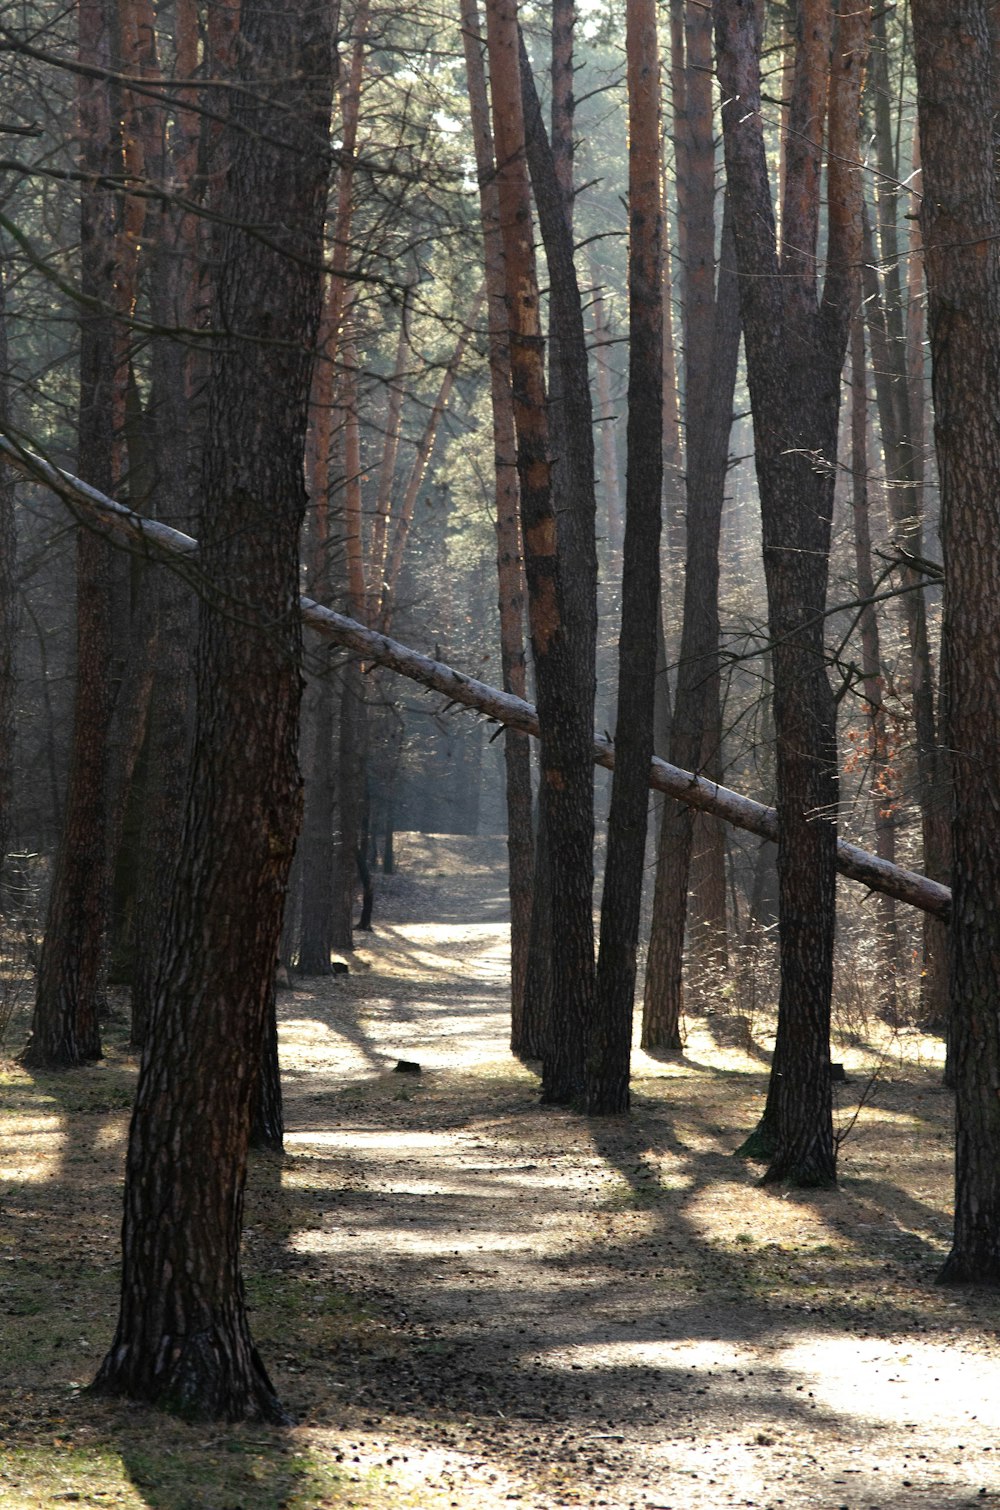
(499, 739)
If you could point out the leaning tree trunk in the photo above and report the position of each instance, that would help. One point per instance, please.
(960, 219)
(183, 1337)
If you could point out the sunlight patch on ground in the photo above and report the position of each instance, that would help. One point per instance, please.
(874, 1381)
(27, 1155)
(689, 1354)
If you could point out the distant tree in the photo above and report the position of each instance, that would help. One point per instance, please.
(183, 1337)
(71, 972)
(960, 218)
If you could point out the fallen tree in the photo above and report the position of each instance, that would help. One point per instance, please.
(97, 510)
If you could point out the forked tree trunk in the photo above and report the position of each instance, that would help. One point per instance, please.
(183, 1338)
(795, 345)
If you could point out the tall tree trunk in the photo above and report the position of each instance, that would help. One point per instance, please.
(795, 345)
(609, 1051)
(183, 1338)
(8, 597)
(569, 841)
(961, 229)
(527, 1027)
(177, 420)
(71, 972)
(567, 719)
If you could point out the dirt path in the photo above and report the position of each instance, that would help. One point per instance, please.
(469, 1300)
(613, 1313)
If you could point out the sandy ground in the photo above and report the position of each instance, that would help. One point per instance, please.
(610, 1313)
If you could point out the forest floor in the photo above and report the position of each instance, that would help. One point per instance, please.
(469, 1300)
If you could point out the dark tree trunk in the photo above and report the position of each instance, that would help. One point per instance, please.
(961, 228)
(527, 1026)
(795, 345)
(71, 972)
(610, 1047)
(8, 599)
(183, 1337)
(565, 712)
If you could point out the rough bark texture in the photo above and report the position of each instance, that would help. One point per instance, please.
(183, 1338)
(527, 1027)
(795, 345)
(610, 1047)
(961, 223)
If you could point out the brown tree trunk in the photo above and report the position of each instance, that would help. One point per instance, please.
(795, 344)
(183, 1337)
(526, 1027)
(961, 229)
(71, 972)
(610, 1047)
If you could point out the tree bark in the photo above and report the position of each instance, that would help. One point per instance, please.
(960, 220)
(183, 1338)
(527, 1027)
(566, 720)
(610, 1048)
(8, 599)
(71, 971)
(795, 345)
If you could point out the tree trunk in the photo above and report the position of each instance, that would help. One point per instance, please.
(526, 1027)
(71, 972)
(183, 1337)
(961, 230)
(8, 602)
(795, 344)
(876, 745)
(566, 716)
(609, 1052)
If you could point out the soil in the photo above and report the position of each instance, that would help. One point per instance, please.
(469, 1300)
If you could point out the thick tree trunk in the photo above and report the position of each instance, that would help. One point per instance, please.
(610, 1048)
(961, 228)
(183, 1337)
